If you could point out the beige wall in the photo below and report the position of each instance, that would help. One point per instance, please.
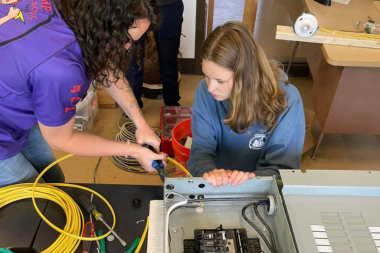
(271, 13)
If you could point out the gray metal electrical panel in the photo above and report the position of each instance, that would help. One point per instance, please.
(333, 211)
(315, 212)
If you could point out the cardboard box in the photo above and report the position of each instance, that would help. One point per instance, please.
(309, 138)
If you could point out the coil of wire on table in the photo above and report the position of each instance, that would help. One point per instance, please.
(128, 132)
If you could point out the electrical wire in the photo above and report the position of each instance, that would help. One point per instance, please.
(350, 34)
(180, 166)
(69, 238)
(143, 236)
(128, 132)
(168, 212)
(271, 249)
(5, 251)
(95, 169)
(255, 208)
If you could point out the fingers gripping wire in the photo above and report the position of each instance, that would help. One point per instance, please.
(128, 132)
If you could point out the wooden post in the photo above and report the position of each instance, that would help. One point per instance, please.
(249, 16)
(210, 16)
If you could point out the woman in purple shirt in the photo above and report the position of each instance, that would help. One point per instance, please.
(50, 50)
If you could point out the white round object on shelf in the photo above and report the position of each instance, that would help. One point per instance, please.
(199, 209)
(306, 25)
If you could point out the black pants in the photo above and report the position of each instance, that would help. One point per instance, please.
(167, 40)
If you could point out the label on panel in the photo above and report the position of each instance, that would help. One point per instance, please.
(317, 228)
(322, 242)
(324, 249)
(321, 235)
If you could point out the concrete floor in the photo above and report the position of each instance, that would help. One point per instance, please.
(337, 152)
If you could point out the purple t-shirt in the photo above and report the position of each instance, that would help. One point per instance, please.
(42, 72)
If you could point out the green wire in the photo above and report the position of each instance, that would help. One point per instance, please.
(134, 245)
(102, 242)
(5, 251)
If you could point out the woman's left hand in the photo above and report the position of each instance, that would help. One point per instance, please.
(145, 135)
(238, 177)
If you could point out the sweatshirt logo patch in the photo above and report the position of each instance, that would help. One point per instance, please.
(257, 142)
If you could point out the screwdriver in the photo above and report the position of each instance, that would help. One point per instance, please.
(91, 208)
(158, 165)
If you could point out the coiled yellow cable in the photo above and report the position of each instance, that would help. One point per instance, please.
(69, 238)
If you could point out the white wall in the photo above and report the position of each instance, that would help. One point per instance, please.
(271, 13)
(187, 47)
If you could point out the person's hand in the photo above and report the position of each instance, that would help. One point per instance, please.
(216, 177)
(238, 177)
(13, 12)
(146, 157)
(145, 135)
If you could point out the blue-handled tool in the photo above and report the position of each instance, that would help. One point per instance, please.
(158, 165)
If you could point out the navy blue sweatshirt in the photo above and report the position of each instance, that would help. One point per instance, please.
(216, 146)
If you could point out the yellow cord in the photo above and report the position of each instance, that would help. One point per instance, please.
(72, 186)
(69, 238)
(180, 166)
(350, 34)
(143, 236)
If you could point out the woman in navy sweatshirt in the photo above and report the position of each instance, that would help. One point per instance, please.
(247, 120)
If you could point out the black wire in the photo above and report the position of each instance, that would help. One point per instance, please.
(266, 225)
(256, 228)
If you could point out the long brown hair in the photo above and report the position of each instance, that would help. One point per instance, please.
(101, 24)
(256, 95)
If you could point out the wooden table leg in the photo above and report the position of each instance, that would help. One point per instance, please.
(318, 144)
(292, 56)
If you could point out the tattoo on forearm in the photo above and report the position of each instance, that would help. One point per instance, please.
(127, 88)
(133, 104)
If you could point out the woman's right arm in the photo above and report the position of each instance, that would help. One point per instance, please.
(66, 139)
(56, 87)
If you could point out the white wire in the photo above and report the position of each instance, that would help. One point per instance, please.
(168, 212)
(174, 193)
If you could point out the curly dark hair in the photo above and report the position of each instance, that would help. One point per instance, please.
(101, 27)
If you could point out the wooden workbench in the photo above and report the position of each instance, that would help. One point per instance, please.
(344, 17)
(346, 79)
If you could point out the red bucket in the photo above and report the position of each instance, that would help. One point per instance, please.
(181, 153)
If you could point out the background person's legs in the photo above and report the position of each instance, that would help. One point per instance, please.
(168, 40)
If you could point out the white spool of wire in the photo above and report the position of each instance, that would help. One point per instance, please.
(306, 25)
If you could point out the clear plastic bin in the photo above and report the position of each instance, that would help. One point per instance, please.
(87, 113)
(171, 116)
